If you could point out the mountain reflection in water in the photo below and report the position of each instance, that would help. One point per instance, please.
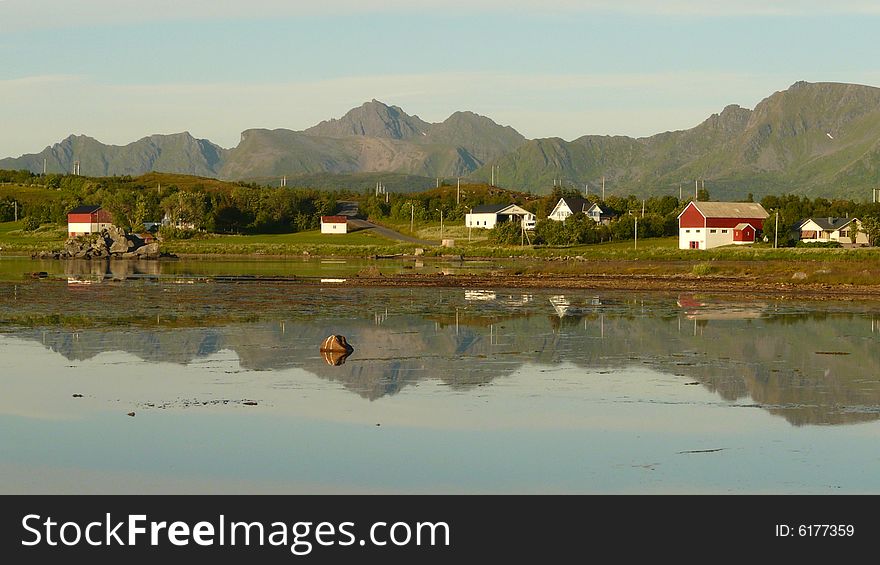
(810, 363)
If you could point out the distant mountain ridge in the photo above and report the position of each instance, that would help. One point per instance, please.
(816, 139)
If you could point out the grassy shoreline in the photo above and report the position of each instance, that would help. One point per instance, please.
(657, 257)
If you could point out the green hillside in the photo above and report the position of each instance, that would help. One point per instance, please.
(818, 139)
(813, 139)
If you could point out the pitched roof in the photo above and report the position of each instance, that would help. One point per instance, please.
(743, 225)
(488, 208)
(829, 224)
(731, 209)
(576, 204)
(85, 209)
(334, 219)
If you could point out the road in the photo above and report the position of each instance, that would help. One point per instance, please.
(349, 208)
(390, 234)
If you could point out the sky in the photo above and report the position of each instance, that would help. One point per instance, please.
(119, 70)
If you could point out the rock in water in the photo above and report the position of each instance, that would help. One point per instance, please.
(336, 343)
(335, 350)
(335, 358)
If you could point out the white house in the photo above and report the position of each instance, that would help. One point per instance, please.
(334, 224)
(832, 229)
(567, 206)
(704, 225)
(488, 215)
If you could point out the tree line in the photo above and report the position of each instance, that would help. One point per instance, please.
(234, 208)
(250, 208)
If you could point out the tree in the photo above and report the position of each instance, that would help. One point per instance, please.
(854, 230)
(871, 227)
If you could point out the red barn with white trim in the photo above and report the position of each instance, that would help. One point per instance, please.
(704, 225)
(84, 220)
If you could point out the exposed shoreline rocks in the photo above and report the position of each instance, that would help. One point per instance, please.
(111, 243)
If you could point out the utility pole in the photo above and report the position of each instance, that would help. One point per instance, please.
(696, 188)
(776, 233)
(643, 207)
(159, 189)
(586, 190)
(493, 177)
(458, 192)
(679, 192)
(44, 166)
(438, 182)
(412, 217)
(16, 209)
(603, 189)
(636, 241)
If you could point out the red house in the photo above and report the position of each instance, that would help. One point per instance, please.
(704, 225)
(84, 220)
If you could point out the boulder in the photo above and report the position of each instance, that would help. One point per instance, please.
(336, 343)
(117, 241)
(335, 358)
(148, 251)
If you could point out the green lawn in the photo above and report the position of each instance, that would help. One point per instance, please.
(359, 243)
(47, 237)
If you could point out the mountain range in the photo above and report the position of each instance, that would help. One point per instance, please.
(815, 139)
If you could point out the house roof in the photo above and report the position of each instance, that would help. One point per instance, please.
(488, 208)
(334, 219)
(730, 209)
(743, 225)
(828, 224)
(576, 204)
(85, 209)
(604, 210)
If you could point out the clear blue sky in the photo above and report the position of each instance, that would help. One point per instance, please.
(118, 70)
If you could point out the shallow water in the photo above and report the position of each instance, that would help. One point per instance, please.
(447, 390)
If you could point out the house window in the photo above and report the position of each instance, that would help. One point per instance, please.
(687, 231)
(722, 231)
(697, 231)
(715, 231)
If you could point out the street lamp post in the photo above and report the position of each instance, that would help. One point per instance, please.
(441, 224)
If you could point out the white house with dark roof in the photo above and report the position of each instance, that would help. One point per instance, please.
(813, 230)
(704, 225)
(487, 216)
(567, 206)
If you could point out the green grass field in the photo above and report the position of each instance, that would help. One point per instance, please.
(14, 239)
(357, 244)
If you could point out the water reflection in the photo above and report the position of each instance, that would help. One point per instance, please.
(810, 363)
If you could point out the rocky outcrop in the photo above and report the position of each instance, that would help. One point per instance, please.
(112, 242)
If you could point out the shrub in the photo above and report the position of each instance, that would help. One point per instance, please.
(30, 223)
(701, 269)
(818, 244)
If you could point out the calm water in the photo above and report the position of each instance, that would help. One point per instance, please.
(447, 390)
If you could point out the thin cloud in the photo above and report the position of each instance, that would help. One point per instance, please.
(37, 14)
